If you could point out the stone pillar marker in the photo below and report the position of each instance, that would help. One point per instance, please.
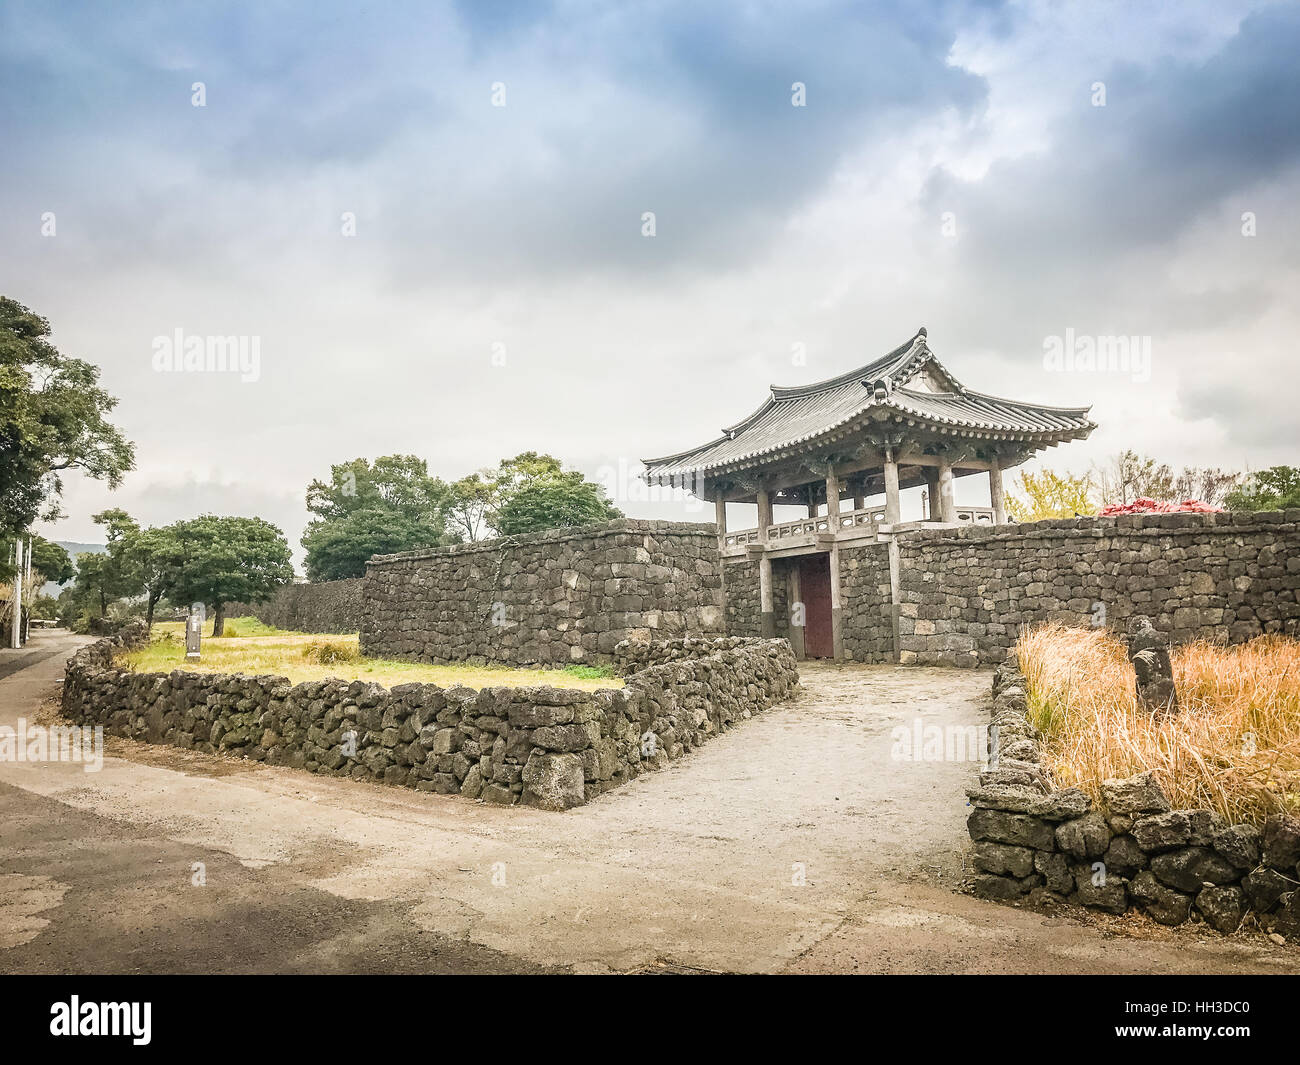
(947, 505)
(996, 499)
(893, 510)
(194, 632)
(765, 566)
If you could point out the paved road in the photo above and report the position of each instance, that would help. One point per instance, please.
(797, 842)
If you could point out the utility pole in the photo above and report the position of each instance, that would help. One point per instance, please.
(16, 606)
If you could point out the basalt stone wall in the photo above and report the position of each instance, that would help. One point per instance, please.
(541, 746)
(1035, 841)
(866, 615)
(552, 598)
(744, 610)
(632, 656)
(964, 593)
(324, 606)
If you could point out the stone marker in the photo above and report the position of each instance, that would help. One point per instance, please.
(1149, 653)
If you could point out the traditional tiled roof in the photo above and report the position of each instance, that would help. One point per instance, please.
(797, 416)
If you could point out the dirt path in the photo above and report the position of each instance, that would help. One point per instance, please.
(794, 842)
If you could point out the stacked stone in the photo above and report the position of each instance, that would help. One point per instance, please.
(965, 593)
(542, 746)
(866, 618)
(322, 606)
(1034, 841)
(632, 656)
(552, 598)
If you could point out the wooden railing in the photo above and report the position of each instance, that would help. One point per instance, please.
(848, 519)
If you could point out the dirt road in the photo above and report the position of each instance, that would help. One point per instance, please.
(797, 842)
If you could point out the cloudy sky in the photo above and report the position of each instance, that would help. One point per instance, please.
(1000, 173)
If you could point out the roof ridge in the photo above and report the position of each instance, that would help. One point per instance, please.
(1027, 403)
(899, 355)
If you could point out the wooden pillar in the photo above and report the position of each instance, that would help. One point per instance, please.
(720, 519)
(932, 493)
(832, 499)
(859, 495)
(996, 499)
(893, 510)
(947, 505)
(796, 611)
(833, 521)
(767, 615)
(837, 626)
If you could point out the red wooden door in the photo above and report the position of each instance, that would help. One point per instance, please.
(815, 590)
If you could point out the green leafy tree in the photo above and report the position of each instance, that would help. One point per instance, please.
(1276, 488)
(341, 548)
(1048, 494)
(52, 561)
(156, 556)
(527, 493)
(53, 418)
(553, 502)
(365, 508)
(228, 560)
(98, 583)
(470, 504)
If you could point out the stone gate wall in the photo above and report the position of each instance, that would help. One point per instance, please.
(551, 598)
(965, 593)
(866, 614)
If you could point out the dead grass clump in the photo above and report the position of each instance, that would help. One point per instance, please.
(327, 653)
(1233, 747)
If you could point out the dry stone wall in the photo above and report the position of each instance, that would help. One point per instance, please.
(867, 614)
(552, 598)
(538, 745)
(1037, 842)
(323, 606)
(965, 593)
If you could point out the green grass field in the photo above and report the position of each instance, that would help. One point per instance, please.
(251, 647)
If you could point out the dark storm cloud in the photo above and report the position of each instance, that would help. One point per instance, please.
(1173, 142)
(612, 111)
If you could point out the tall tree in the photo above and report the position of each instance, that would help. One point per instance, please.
(52, 419)
(554, 501)
(52, 561)
(229, 560)
(1208, 484)
(1048, 494)
(365, 508)
(156, 556)
(527, 493)
(1128, 476)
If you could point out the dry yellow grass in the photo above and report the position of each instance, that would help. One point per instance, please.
(1233, 747)
(306, 656)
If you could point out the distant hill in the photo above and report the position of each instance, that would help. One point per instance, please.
(75, 549)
